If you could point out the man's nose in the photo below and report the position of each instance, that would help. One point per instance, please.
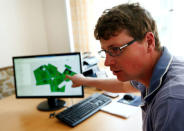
(109, 60)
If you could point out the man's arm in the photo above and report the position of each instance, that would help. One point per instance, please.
(110, 85)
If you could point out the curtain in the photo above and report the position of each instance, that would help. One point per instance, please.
(80, 25)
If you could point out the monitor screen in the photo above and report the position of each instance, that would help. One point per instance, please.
(44, 76)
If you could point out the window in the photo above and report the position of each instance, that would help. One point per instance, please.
(167, 13)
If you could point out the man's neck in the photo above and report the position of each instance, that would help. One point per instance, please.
(146, 78)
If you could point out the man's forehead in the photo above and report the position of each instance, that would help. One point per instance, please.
(105, 43)
(116, 40)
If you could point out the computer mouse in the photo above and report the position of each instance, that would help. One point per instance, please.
(128, 97)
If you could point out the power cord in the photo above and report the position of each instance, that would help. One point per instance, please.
(53, 114)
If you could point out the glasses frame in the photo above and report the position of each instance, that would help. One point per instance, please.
(120, 48)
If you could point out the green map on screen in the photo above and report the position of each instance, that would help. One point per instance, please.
(49, 74)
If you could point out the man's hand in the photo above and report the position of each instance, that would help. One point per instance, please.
(77, 79)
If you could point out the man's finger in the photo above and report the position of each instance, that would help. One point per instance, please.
(68, 76)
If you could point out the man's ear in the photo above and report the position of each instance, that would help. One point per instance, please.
(150, 39)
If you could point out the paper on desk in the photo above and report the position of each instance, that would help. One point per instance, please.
(120, 109)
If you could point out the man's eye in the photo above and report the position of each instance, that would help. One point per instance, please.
(115, 49)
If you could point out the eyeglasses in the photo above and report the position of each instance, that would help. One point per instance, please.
(114, 51)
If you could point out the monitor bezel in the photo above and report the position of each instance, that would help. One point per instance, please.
(40, 55)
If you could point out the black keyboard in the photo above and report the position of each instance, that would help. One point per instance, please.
(83, 110)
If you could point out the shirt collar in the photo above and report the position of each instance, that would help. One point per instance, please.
(159, 71)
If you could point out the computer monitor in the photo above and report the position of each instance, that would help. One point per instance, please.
(44, 76)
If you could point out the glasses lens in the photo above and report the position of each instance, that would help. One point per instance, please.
(114, 51)
(102, 53)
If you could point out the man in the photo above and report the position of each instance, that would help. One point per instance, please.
(130, 42)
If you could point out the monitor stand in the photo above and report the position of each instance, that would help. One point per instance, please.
(51, 104)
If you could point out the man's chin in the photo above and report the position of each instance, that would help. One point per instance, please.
(121, 79)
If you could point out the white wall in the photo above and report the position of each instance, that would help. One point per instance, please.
(29, 27)
(22, 31)
(56, 26)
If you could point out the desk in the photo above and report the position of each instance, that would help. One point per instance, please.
(22, 115)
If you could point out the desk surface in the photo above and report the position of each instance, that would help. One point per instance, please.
(22, 115)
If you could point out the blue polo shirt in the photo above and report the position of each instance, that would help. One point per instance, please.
(163, 101)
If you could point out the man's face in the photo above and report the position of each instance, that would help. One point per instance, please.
(131, 63)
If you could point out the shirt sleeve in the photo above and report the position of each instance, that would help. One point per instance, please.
(168, 115)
